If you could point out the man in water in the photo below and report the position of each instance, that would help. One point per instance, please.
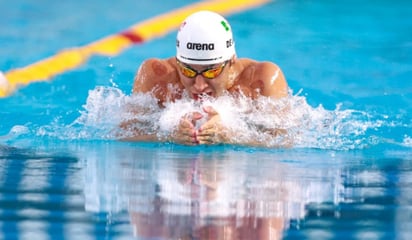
(205, 66)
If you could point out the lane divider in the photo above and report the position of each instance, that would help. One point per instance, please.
(70, 58)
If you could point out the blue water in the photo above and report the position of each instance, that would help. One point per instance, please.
(348, 175)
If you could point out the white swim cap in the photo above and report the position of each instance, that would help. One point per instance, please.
(204, 38)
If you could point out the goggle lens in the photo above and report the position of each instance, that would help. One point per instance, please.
(209, 73)
(187, 72)
(213, 73)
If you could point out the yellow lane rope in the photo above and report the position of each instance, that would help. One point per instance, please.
(112, 45)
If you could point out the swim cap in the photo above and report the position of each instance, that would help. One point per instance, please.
(204, 38)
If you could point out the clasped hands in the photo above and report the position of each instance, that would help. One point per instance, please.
(211, 132)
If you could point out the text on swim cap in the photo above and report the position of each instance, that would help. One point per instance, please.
(200, 46)
(229, 43)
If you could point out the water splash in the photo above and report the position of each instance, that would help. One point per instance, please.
(407, 141)
(15, 132)
(273, 123)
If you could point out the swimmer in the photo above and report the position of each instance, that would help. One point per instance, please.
(205, 66)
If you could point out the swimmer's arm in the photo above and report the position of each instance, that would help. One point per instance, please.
(284, 143)
(148, 79)
(142, 84)
(130, 133)
(237, 140)
(274, 86)
(215, 132)
(184, 133)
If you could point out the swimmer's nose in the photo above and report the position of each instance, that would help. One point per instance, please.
(200, 83)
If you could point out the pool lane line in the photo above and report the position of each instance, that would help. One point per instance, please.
(70, 58)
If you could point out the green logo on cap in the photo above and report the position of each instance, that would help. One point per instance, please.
(224, 24)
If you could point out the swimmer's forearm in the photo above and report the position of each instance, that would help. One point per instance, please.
(131, 133)
(280, 135)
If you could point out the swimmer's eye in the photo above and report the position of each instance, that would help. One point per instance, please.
(209, 73)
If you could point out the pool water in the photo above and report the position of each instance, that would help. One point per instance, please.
(348, 174)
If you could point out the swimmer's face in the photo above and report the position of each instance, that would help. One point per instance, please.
(202, 80)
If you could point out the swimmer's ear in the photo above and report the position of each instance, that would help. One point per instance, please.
(232, 60)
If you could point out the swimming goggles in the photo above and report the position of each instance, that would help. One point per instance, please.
(209, 73)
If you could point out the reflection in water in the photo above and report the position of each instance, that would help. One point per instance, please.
(205, 194)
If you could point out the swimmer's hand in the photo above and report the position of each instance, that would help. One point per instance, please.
(186, 133)
(213, 131)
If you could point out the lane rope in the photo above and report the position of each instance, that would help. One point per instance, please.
(70, 58)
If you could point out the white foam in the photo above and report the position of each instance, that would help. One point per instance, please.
(172, 114)
(407, 141)
(303, 126)
(15, 131)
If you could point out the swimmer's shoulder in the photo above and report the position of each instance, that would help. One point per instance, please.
(248, 65)
(158, 68)
(155, 71)
(265, 76)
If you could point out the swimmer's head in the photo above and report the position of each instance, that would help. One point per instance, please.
(205, 38)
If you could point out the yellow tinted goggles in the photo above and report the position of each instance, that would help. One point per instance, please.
(209, 73)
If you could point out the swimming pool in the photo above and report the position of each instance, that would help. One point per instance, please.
(348, 175)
